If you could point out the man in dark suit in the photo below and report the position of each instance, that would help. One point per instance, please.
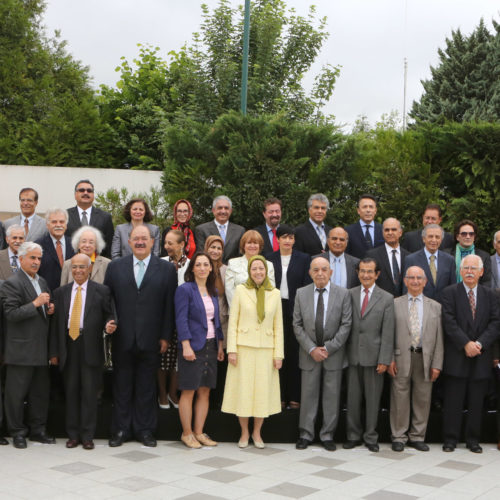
(272, 216)
(3, 241)
(366, 233)
(142, 286)
(85, 214)
(311, 237)
(413, 239)
(222, 208)
(3, 441)
(83, 310)
(9, 260)
(390, 257)
(471, 322)
(56, 247)
(439, 266)
(26, 305)
(369, 352)
(495, 262)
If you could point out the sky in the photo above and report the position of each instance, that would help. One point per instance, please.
(369, 38)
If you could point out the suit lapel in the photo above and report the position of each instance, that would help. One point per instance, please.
(314, 233)
(150, 271)
(465, 304)
(89, 298)
(199, 304)
(373, 300)
(426, 310)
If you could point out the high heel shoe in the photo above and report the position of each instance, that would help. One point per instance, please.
(258, 443)
(171, 401)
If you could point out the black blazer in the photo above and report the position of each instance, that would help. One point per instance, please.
(459, 328)
(351, 262)
(268, 248)
(50, 269)
(297, 274)
(3, 241)
(307, 239)
(98, 311)
(99, 219)
(412, 241)
(385, 279)
(357, 246)
(485, 279)
(145, 315)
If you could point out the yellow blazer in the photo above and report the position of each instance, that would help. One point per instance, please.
(244, 328)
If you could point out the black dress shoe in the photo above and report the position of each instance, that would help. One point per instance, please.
(43, 438)
(349, 445)
(117, 439)
(71, 443)
(418, 445)
(19, 442)
(302, 443)
(474, 447)
(372, 447)
(88, 445)
(448, 447)
(397, 446)
(3, 441)
(148, 440)
(329, 445)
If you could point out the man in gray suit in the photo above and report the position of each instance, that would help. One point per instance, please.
(34, 225)
(222, 208)
(321, 322)
(495, 262)
(26, 305)
(9, 260)
(369, 350)
(417, 363)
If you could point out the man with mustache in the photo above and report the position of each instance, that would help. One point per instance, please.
(9, 260)
(272, 217)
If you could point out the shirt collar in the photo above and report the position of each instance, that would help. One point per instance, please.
(35, 279)
(370, 289)
(87, 211)
(326, 287)
(362, 223)
(428, 254)
(269, 229)
(218, 224)
(11, 253)
(418, 297)
(315, 224)
(54, 240)
(30, 218)
(390, 249)
(83, 285)
(467, 288)
(146, 260)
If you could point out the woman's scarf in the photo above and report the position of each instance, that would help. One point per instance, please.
(460, 254)
(259, 289)
(183, 226)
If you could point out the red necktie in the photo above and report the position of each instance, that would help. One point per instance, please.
(59, 253)
(365, 301)
(276, 245)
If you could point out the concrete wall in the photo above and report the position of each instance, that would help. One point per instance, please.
(55, 185)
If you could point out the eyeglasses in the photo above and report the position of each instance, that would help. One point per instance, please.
(471, 268)
(85, 190)
(336, 238)
(81, 266)
(418, 278)
(26, 200)
(182, 211)
(464, 234)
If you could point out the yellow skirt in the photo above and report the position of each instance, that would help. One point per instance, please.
(252, 386)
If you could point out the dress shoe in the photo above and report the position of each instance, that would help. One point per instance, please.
(205, 440)
(117, 439)
(258, 443)
(3, 441)
(474, 447)
(243, 443)
(302, 443)
(43, 438)
(71, 443)
(148, 440)
(328, 445)
(397, 446)
(349, 445)
(19, 442)
(190, 441)
(88, 445)
(373, 447)
(163, 406)
(448, 447)
(172, 402)
(418, 445)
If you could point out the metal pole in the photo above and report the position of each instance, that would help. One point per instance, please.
(244, 68)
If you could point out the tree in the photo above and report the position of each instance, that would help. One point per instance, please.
(466, 84)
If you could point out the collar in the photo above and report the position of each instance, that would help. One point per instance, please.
(390, 249)
(315, 224)
(497, 257)
(269, 228)
(146, 260)
(87, 211)
(218, 224)
(54, 240)
(30, 218)
(83, 285)
(428, 254)
(334, 257)
(370, 289)
(420, 297)
(11, 254)
(362, 223)
(467, 289)
(35, 279)
(326, 287)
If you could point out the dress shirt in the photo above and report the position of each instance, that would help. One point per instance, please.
(474, 291)
(34, 282)
(320, 229)
(285, 262)
(343, 269)
(420, 311)
(370, 292)
(326, 294)
(88, 211)
(23, 218)
(11, 254)
(63, 245)
(137, 267)
(389, 250)
(428, 255)
(371, 229)
(84, 297)
(270, 234)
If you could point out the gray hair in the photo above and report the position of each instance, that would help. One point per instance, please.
(480, 261)
(56, 210)
(11, 229)
(432, 226)
(27, 247)
(99, 240)
(495, 236)
(221, 198)
(318, 197)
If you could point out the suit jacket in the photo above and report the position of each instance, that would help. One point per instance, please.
(145, 314)
(385, 279)
(357, 246)
(372, 336)
(98, 311)
(350, 266)
(120, 246)
(268, 247)
(495, 279)
(336, 329)
(5, 269)
(445, 272)
(50, 269)
(97, 274)
(38, 226)
(27, 326)
(432, 337)
(297, 274)
(412, 241)
(307, 239)
(460, 328)
(233, 237)
(3, 241)
(244, 328)
(191, 316)
(98, 219)
(485, 279)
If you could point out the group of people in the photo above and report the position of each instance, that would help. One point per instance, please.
(299, 313)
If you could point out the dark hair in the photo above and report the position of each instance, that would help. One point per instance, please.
(272, 201)
(368, 260)
(433, 206)
(369, 196)
(148, 216)
(181, 238)
(284, 229)
(83, 181)
(189, 274)
(464, 222)
(23, 190)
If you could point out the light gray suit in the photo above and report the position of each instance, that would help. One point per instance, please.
(412, 387)
(336, 331)
(495, 279)
(38, 226)
(371, 343)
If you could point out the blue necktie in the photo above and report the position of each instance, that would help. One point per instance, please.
(222, 232)
(140, 273)
(337, 272)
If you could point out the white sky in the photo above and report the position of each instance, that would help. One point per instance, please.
(369, 38)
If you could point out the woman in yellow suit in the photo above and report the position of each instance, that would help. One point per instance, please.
(255, 352)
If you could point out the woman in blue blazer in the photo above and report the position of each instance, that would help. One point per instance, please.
(200, 339)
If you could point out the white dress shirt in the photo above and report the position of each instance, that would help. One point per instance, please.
(84, 298)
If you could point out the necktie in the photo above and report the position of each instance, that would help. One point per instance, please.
(432, 267)
(395, 268)
(472, 302)
(59, 253)
(85, 221)
(365, 301)
(26, 227)
(276, 245)
(414, 323)
(222, 232)
(337, 272)
(321, 234)
(368, 237)
(13, 264)
(76, 313)
(140, 273)
(318, 322)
